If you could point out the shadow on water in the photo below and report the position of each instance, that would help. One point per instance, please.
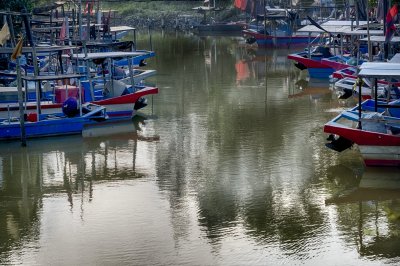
(61, 166)
(241, 176)
(375, 213)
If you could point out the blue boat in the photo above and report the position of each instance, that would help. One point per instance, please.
(52, 124)
(312, 62)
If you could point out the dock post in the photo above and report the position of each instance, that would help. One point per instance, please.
(21, 105)
(359, 126)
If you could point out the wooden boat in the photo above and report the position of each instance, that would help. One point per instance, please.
(52, 124)
(72, 119)
(339, 62)
(312, 62)
(123, 97)
(313, 59)
(349, 72)
(109, 91)
(278, 30)
(283, 41)
(210, 27)
(376, 134)
(349, 87)
(220, 27)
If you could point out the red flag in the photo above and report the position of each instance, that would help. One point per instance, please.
(390, 19)
(241, 4)
(63, 31)
(89, 8)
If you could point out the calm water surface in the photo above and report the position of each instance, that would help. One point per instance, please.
(226, 166)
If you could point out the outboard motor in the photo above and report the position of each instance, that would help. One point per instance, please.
(70, 107)
(300, 66)
(140, 103)
(347, 93)
(338, 144)
(251, 40)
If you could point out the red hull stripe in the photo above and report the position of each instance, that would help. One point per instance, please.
(309, 63)
(361, 137)
(333, 64)
(128, 98)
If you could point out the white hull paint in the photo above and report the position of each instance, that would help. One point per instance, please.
(380, 153)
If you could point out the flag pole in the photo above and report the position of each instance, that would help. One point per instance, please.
(386, 44)
(369, 36)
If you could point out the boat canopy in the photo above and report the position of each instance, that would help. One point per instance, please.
(362, 32)
(52, 77)
(381, 39)
(38, 49)
(382, 70)
(332, 26)
(121, 28)
(93, 56)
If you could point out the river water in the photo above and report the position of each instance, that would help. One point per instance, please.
(226, 166)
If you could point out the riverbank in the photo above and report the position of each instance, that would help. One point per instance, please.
(169, 15)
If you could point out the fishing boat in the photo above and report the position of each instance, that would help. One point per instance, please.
(123, 96)
(349, 86)
(376, 132)
(349, 72)
(314, 59)
(339, 62)
(281, 39)
(117, 92)
(276, 30)
(72, 118)
(209, 26)
(54, 124)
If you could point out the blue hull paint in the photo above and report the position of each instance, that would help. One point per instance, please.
(137, 59)
(63, 126)
(320, 72)
(283, 42)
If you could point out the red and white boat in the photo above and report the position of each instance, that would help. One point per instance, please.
(349, 72)
(119, 106)
(347, 87)
(122, 97)
(377, 133)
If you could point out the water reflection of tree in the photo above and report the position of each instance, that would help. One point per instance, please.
(242, 159)
(54, 166)
(20, 203)
(369, 214)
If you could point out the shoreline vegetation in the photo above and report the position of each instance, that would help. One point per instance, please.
(170, 15)
(178, 15)
(142, 14)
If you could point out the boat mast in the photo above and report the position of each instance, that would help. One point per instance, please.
(368, 35)
(264, 20)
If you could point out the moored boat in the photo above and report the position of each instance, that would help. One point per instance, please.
(312, 62)
(375, 129)
(282, 41)
(339, 62)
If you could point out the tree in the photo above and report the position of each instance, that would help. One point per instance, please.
(16, 5)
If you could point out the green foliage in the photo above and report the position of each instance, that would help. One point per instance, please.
(373, 3)
(16, 5)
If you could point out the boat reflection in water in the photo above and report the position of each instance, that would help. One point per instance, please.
(65, 169)
(375, 208)
(314, 88)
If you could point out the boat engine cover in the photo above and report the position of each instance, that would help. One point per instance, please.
(70, 107)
